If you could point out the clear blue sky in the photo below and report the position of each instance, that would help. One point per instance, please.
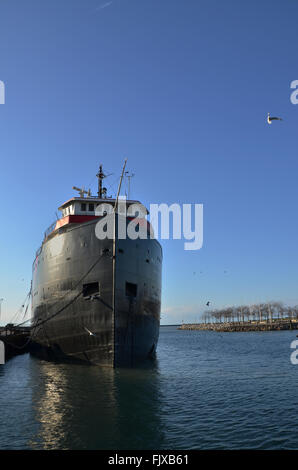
(181, 88)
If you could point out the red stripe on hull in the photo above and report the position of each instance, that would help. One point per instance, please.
(74, 219)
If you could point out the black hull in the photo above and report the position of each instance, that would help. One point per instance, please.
(119, 327)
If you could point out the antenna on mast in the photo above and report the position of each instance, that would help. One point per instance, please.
(119, 187)
(129, 176)
(82, 191)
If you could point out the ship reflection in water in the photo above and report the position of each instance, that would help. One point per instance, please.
(81, 407)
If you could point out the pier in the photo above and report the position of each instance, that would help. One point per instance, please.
(265, 325)
(16, 340)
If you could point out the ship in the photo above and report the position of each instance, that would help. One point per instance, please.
(96, 301)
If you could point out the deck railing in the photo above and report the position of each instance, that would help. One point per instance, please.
(50, 229)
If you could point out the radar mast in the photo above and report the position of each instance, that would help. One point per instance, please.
(102, 192)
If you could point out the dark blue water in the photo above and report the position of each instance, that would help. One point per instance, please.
(206, 391)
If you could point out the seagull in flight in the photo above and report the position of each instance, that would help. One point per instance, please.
(270, 119)
(208, 303)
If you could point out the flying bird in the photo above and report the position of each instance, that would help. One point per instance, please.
(208, 303)
(270, 119)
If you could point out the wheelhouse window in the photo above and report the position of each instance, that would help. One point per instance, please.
(83, 207)
(91, 207)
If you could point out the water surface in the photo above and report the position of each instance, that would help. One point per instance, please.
(206, 390)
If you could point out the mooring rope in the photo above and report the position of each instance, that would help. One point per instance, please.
(42, 322)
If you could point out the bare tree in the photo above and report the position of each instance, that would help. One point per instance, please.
(288, 312)
(253, 312)
(246, 312)
(238, 314)
(257, 312)
(263, 308)
(278, 308)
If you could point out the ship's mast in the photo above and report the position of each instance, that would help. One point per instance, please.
(114, 257)
(100, 175)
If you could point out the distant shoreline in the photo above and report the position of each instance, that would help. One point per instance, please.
(266, 325)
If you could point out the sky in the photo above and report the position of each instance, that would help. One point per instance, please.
(182, 90)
